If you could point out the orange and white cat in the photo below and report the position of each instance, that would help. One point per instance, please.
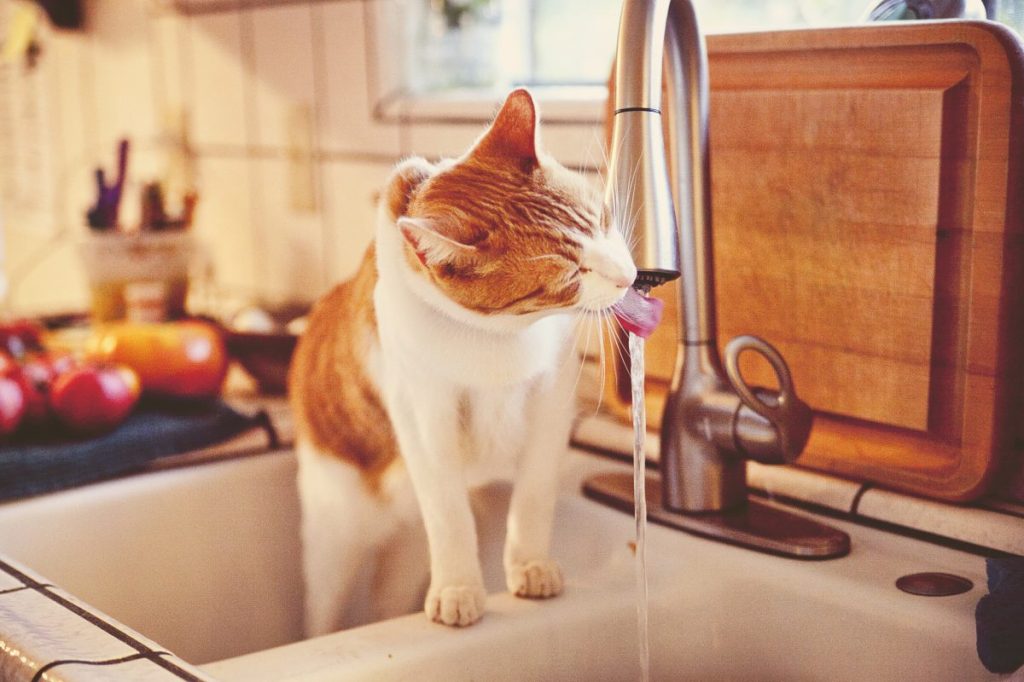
(443, 365)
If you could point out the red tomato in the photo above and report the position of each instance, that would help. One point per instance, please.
(94, 398)
(12, 405)
(36, 375)
(8, 365)
(20, 336)
(37, 406)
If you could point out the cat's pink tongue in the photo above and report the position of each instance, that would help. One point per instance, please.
(637, 313)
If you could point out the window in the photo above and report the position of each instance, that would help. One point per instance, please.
(482, 43)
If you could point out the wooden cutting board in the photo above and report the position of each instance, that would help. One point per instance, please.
(867, 221)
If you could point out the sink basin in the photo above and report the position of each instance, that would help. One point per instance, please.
(205, 562)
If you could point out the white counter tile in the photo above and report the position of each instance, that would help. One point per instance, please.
(996, 530)
(35, 631)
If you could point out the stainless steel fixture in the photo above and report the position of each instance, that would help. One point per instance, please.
(902, 10)
(713, 421)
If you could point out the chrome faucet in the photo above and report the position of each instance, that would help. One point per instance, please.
(713, 420)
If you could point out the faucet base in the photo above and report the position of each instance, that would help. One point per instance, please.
(755, 525)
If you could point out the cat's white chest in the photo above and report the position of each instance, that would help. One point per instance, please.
(494, 429)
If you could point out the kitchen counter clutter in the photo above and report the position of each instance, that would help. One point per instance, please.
(84, 403)
(89, 403)
(157, 436)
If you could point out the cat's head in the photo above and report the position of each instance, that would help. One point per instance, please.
(507, 230)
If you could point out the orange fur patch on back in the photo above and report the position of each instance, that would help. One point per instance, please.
(336, 406)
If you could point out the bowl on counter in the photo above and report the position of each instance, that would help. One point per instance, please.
(262, 342)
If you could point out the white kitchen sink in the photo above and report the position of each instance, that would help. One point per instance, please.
(205, 561)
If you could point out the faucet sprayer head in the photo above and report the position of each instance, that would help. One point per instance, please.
(639, 196)
(648, 279)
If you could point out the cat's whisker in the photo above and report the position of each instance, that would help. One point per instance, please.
(626, 224)
(618, 333)
(596, 143)
(578, 324)
(628, 196)
(583, 358)
(614, 328)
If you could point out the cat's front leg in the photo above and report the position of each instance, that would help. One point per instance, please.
(429, 436)
(529, 570)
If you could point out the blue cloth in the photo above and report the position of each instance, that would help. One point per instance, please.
(50, 460)
(1000, 616)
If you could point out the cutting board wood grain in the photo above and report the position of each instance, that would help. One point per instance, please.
(867, 222)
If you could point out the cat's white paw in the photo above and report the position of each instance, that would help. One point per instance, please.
(458, 605)
(537, 579)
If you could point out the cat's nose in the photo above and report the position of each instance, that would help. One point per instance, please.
(625, 276)
(615, 267)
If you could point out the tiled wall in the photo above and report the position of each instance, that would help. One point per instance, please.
(283, 102)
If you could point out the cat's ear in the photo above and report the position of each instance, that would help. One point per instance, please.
(407, 176)
(430, 245)
(513, 134)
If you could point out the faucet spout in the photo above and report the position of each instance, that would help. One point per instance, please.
(638, 192)
(713, 421)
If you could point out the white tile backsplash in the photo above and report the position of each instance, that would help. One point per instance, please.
(575, 145)
(297, 270)
(74, 125)
(217, 98)
(224, 222)
(440, 140)
(169, 35)
(44, 275)
(388, 48)
(347, 122)
(350, 204)
(123, 71)
(283, 76)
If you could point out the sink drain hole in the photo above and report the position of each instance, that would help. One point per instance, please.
(934, 584)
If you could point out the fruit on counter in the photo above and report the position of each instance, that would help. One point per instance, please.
(93, 398)
(37, 406)
(20, 336)
(183, 359)
(8, 365)
(12, 405)
(35, 374)
(38, 385)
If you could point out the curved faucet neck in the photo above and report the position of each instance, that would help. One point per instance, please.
(660, 195)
